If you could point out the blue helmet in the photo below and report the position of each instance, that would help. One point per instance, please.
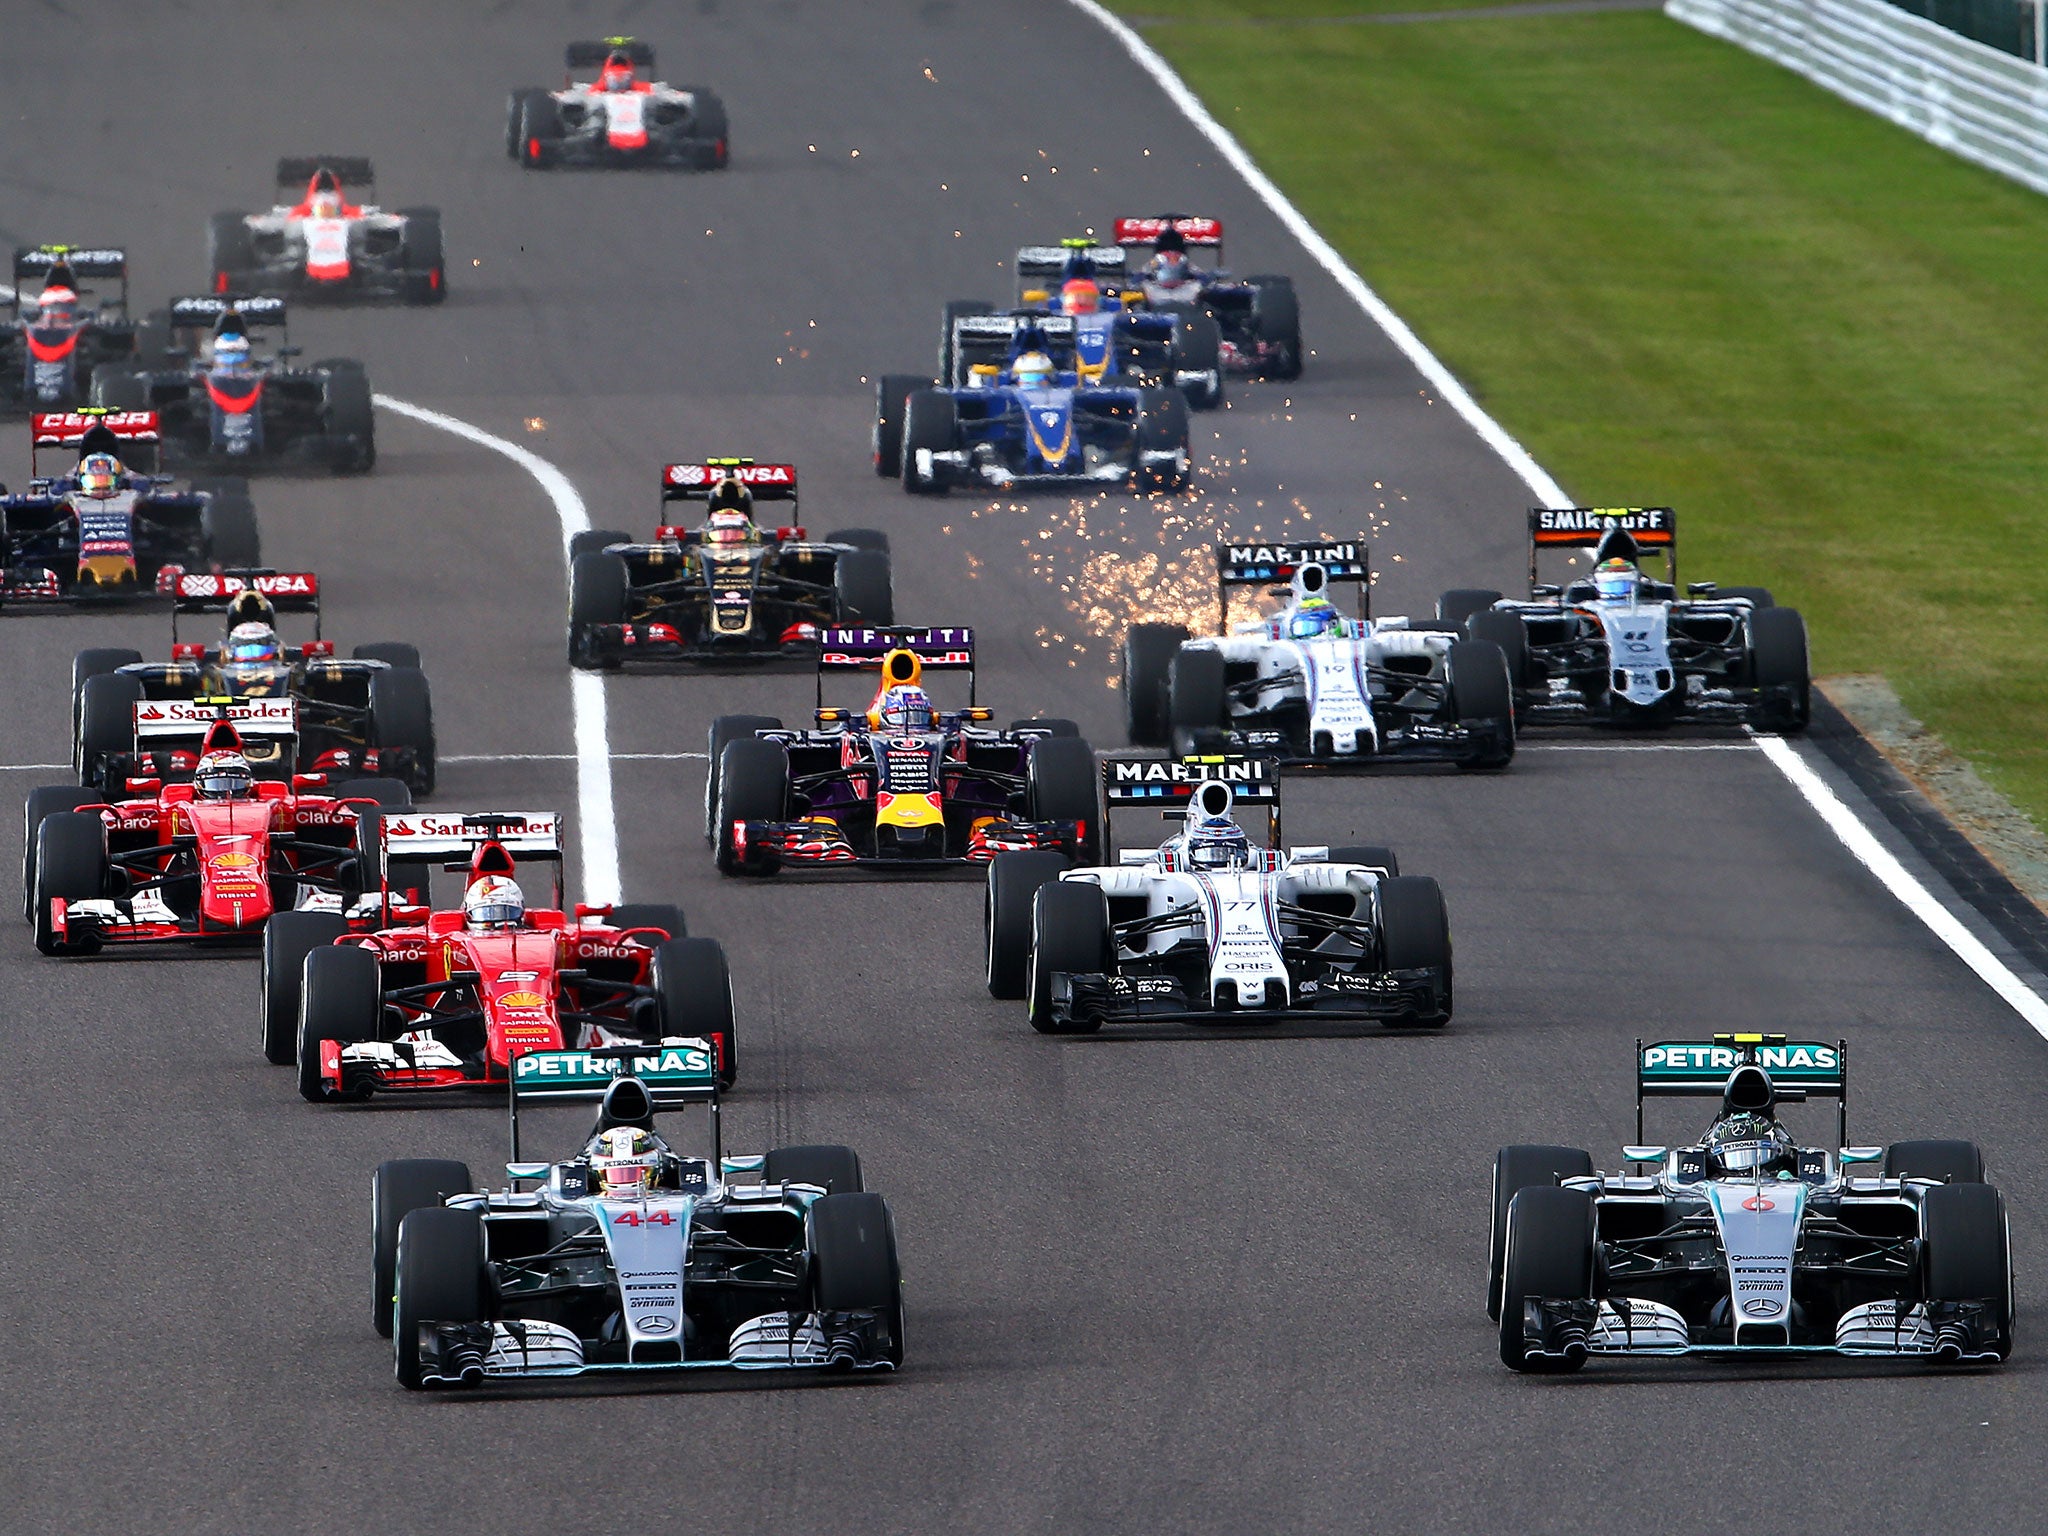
(230, 350)
(1217, 842)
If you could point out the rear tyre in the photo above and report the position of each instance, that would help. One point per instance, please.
(1061, 781)
(426, 271)
(931, 423)
(854, 1266)
(397, 1189)
(1779, 662)
(862, 585)
(1454, 607)
(515, 112)
(106, 723)
(1514, 1170)
(1759, 597)
(1149, 650)
(227, 525)
(891, 395)
(342, 1000)
(351, 424)
(401, 717)
(96, 661)
(1162, 428)
(1415, 931)
(598, 585)
(1507, 631)
(694, 989)
(956, 309)
(540, 126)
(440, 1278)
(860, 538)
(1549, 1253)
(70, 864)
(1966, 1252)
(725, 730)
(230, 251)
(392, 794)
(836, 1170)
(1070, 935)
(1198, 348)
(753, 785)
(1196, 708)
(1952, 1162)
(118, 388)
(287, 939)
(1276, 313)
(1014, 880)
(1483, 700)
(394, 652)
(41, 805)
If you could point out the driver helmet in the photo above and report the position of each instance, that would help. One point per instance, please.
(1315, 616)
(223, 776)
(728, 527)
(250, 643)
(1217, 842)
(1032, 370)
(1750, 1144)
(1615, 580)
(624, 1161)
(617, 74)
(1170, 267)
(906, 709)
(99, 475)
(56, 304)
(1080, 296)
(230, 350)
(327, 204)
(493, 901)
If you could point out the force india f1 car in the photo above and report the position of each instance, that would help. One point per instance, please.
(180, 866)
(404, 998)
(47, 354)
(325, 247)
(728, 590)
(1616, 647)
(370, 714)
(126, 536)
(1312, 686)
(1749, 1244)
(618, 119)
(1258, 317)
(630, 1256)
(900, 785)
(1042, 424)
(1211, 929)
(235, 410)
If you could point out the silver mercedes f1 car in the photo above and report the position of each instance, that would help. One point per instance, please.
(1748, 1243)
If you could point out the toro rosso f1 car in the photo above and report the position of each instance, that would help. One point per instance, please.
(236, 410)
(1311, 685)
(1258, 317)
(324, 246)
(179, 866)
(372, 713)
(629, 1255)
(1209, 928)
(408, 998)
(50, 344)
(618, 119)
(1030, 420)
(1748, 1244)
(728, 590)
(123, 536)
(898, 785)
(1617, 647)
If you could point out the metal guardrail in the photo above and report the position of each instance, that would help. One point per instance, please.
(1959, 95)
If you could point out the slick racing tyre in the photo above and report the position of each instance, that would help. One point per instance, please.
(350, 425)
(1415, 931)
(1966, 1255)
(1507, 631)
(862, 588)
(1162, 428)
(710, 125)
(106, 724)
(595, 541)
(853, 1263)
(228, 527)
(651, 914)
(892, 394)
(1952, 1162)
(540, 129)
(96, 661)
(1070, 935)
(860, 538)
(1514, 1170)
(836, 1170)
(1014, 880)
(230, 251)
(724, 730)
(694, 989)
(1276, 317)
(1062, 783)
(1454, 607)
(71, 865)
(1549, 1253)
(598, 584)
(1781, 669)
(1196, 709)
(753, 785)
(395, 653)
(1149, 650)
(343, 1001)
(440, 1278)
(1483, 700)
(931, 424)
(397, 1189)
(515, 113)
(426, 272)
(1198, 349)
(287, 939)
(402, 717)
(40, 806)
(1759, 597)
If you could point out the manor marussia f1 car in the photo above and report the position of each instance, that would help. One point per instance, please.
(618, 119)
(773, 1262)
(238, 411)
(1002, 433)
(47, 356)
(1618, 648)
(1754, 1246)
(722, 594)
(324, 246)
(1311, 686)
(406, 998)
(1259, 317)
(859, 793)
(175, 867)
(60, 545)
(1198, 934)
(370, 714)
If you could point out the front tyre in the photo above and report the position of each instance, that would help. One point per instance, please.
(439, 1278)
(397, 1189)
(1549, 1255)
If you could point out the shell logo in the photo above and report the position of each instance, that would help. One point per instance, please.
(233, 861)
(522, 1000)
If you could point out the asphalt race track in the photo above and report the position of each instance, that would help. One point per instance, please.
(1192, 1282)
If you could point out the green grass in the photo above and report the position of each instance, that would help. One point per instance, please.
(1679, 273)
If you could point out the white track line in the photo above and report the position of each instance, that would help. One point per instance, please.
(586, 690)
(570, 757)
(1832, 810)
(1623, 746)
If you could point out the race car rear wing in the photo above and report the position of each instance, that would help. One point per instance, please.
(676, 1073)
(1196, 233)
(162, 723)
(1698, 1069)
(1038, 265)
(216, 591)
(451, 841)
(35, 263)
(93, 429)
(865, 650)
(1169, 786)
(295, 171)
(986, 340)
(1650, 528)
(202, 312)
(695, 481)
(590, 54)
(1264, 565)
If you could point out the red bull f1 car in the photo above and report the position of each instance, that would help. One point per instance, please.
(325, 246)
(898, 785)
(620, 118)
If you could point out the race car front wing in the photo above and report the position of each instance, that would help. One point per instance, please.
(1390, 996)
(1571, 1329)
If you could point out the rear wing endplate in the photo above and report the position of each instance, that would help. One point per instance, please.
(1698, 1069)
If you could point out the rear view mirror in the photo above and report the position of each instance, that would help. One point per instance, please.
(1644, 1154)
(1545, 590)
(526, 1170)
(1863, 1154)
(1702, 588)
